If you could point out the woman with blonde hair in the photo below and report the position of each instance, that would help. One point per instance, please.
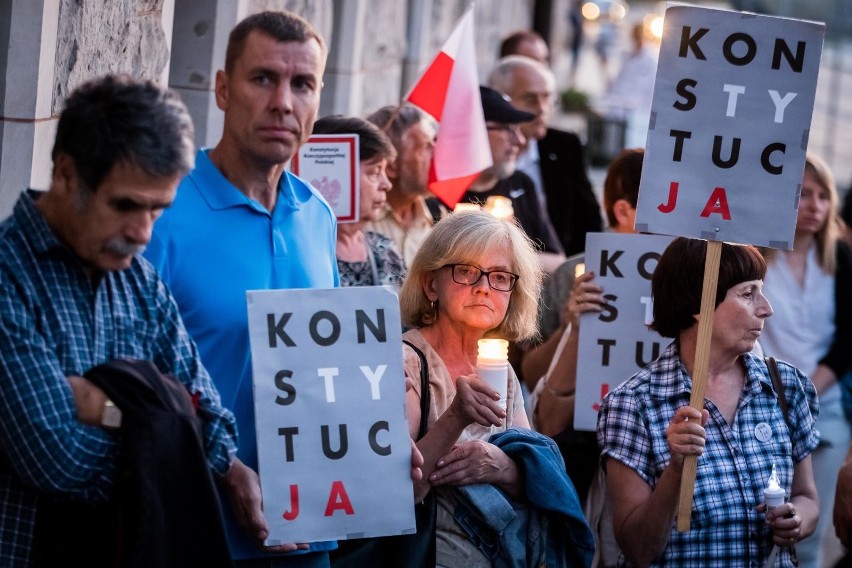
(810, 288)
(478, 276)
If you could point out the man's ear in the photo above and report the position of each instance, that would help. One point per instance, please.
(64, 178)
(221, 90)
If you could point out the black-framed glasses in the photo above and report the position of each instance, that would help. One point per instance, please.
(468, 275)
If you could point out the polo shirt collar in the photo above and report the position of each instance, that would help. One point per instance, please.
(220, 193)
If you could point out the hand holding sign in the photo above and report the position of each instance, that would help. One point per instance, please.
(752, 80)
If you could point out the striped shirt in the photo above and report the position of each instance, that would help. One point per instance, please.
(57, 323)
(726, 531)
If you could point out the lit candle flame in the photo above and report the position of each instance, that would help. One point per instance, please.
(493, 350)
(499, 206)
(465, 207)
(579, 269)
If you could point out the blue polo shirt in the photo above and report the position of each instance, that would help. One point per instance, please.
(210, 247)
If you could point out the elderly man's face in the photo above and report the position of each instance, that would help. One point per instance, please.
(271, 97)
(506, 141)
(107, 227)
(411, 170)
(533, 92)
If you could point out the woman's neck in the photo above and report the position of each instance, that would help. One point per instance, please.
(457, 345)
(720, 363)
(802, 242)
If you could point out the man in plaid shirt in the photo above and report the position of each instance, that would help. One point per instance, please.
(74, 293)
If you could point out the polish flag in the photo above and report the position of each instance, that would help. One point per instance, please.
(449, 91)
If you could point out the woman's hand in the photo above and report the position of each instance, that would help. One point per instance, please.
(476, 402)
(585, 296)
(685, 434)
(475, 461)
(785, 522)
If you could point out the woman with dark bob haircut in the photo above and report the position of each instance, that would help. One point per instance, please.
(742, 436)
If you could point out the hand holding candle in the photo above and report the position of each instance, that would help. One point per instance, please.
(492, 366)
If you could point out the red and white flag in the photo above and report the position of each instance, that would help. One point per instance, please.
(449, 91)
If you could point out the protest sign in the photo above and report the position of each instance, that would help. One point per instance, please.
(615, 343)
(329, 395)
(330, 164)
(730, 120)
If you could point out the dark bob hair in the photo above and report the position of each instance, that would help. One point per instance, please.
(679, 277)
(372, 142)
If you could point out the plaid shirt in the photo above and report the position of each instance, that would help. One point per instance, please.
(736, 465)
(56, 323)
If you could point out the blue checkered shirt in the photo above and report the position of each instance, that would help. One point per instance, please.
(735, 467)
(56, 323)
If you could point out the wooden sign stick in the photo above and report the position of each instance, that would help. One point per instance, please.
(699, 374)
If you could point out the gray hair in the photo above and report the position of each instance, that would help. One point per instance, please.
(119, 119)
(463, 238)
(502, 75)
(394, 121)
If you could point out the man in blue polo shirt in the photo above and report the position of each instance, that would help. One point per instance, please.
(241, 222)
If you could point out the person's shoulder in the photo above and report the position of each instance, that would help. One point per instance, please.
(521, 179)
(556, 138)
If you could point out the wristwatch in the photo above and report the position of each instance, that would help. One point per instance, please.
(111, 416)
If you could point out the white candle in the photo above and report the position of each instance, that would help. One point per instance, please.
(579, 269)
(492, 365)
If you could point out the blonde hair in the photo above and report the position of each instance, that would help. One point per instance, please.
(464, 238)
(833, 228)
(829, 234)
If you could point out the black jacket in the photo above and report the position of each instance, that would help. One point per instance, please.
(164, 511)
(573, 208)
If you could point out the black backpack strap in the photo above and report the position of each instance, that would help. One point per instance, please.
(779, 387)
(425, 395)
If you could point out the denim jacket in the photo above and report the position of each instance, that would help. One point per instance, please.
(547, 529)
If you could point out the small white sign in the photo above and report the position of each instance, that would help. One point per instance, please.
(329, 162)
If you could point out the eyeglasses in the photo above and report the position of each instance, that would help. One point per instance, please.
(508, 128)
(468, 275)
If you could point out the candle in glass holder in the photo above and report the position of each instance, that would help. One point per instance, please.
(579, 269)
(492, 366)
(466, 207)
(499, 206)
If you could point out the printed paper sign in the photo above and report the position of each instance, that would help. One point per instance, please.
(616, 343)
(330, 164)
(329, 396)
(729, 127)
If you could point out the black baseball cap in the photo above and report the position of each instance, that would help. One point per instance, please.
(497, 108)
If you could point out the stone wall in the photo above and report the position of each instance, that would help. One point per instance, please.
(378, 48)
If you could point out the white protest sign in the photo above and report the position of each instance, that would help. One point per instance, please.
(329, 162)
(329, 396)
(729, 127)
(616, 343)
